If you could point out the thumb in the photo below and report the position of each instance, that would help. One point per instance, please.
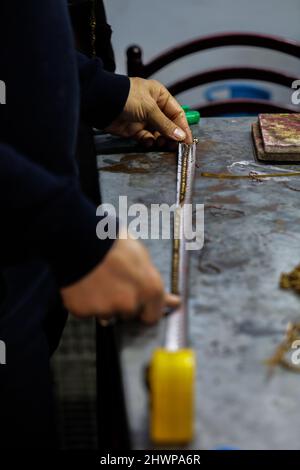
(160, 122)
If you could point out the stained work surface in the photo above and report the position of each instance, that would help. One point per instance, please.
(238, 312)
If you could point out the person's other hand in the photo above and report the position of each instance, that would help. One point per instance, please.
(151, 115)
(125, 283)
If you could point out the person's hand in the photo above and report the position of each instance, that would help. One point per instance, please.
(125, 283)
(151, 115)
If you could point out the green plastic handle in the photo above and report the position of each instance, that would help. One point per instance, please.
(192, 116)
(185, 108)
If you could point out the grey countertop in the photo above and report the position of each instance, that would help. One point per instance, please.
(238, 314)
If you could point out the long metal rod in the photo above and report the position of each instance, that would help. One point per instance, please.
(176, 332)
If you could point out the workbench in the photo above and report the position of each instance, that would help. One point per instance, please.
(238, 313)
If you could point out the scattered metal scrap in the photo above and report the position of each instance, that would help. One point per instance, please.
(279, 356)
(251, 175)
(290, 281)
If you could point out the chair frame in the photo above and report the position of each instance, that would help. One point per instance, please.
(136, 67)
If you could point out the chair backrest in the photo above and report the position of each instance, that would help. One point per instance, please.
(136, 67)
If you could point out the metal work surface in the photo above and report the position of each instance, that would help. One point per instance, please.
(238, 312)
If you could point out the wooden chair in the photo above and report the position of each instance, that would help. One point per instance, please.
(136, 67)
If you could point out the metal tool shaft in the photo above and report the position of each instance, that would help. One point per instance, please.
(176, 333)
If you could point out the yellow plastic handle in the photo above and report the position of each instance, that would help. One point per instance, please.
(172, 380)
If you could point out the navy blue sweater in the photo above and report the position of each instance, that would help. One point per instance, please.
(43, 211)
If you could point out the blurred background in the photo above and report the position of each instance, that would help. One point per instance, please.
(158, 25)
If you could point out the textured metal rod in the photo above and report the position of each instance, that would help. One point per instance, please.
(176, 323)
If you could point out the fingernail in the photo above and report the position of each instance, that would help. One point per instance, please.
(179, 134)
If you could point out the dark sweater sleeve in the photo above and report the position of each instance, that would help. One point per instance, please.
(44, 215)
(103, 94)
(43, 212)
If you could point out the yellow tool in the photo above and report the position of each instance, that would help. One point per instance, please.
(173, 367)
